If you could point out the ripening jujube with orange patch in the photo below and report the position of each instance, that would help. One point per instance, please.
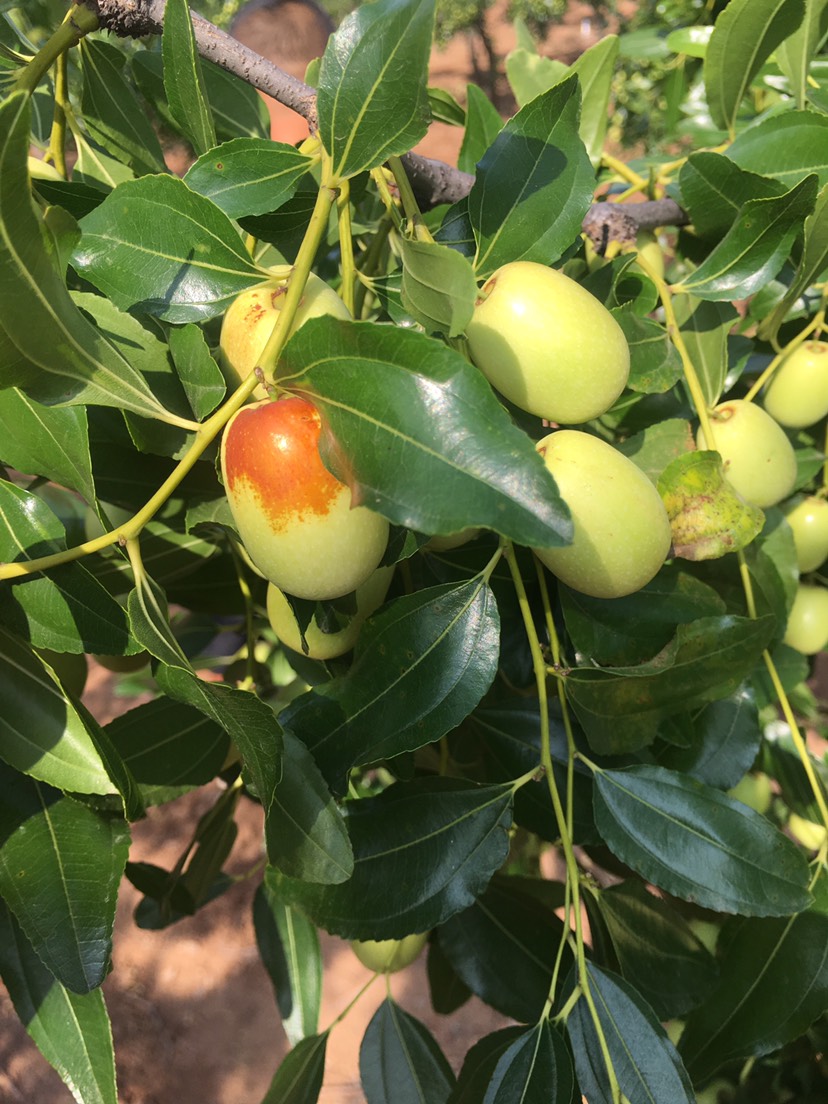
(294, 517)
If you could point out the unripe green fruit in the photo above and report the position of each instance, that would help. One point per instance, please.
(807, 629)
(322, 645)
(808, 519)
(759, 459)
(807, 832)
(548, 345)
(622, 532)
(452, 540)
(294, 518)
(798, 393)
(386, 956)
(250, 318)
(123, 665)
(754, 790)
(70, 668)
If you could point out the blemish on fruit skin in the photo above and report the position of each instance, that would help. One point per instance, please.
(271, 451)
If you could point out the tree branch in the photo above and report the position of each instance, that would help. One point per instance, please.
(433, 182)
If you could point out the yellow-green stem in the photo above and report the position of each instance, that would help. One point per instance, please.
(79, 21)
(346, 246)
(57, 137)
(249, 631)
(816, 322)
(384, 192)
(409, 202)
(352, 1002)
(623, 170)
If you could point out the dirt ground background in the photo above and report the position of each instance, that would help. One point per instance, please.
(193, 1013)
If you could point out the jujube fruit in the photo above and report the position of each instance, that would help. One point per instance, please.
(621, 530)
(386, 956)
(250, 318)
(758, 458)
(294, 518)
(808, 519)
(797, 396)
(807, 629)
(547, 344)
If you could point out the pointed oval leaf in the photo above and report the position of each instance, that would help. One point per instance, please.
(400, 1061)
(248, 176)
(795, 54)
(422, 664)
(646, 1063)
(483, 124)
(46, 440)
(699, 844)
(788, 147)
(537, 164)
(289, 948)
(727, 736)
(183, 79)
(71, 1030)
(435, 842)
(714, 189)
(704, 328)
(535, 1068)
(480, 1063)
(158, 247)
(438, 286)
(373, 96)
(744, 37)
(813, 261)
(298, 1080)
(60, 868)
(418, 435)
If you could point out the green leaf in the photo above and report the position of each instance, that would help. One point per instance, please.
(714, 189)
(436, 841)
(530, 74)
(504, 948)
(709, 658)
(698, 844)
(690, 40)
(705, 328)
(654, 363)
(298, 1080)
(646, 1063)
(405, 404)
(654, 447)
(200, 376)
(657, 950)
(795, 54)
(813, 261)
(773, 984)
(444, 108)
(400, 1061)
(708, 517)
(788, 147)
(46, 440)
(155, 246)
(422, 664)
(76, 362)
(756, 246)
(70, 1030)
(111, 111)
(744, 37)
(372, 96)
(289, 948)
(150, 622)
(537, 164)
(483, 124)
(60, 867)
(447, 991)
(305, 833)
(97, 170)
(479, 1066)
(438, 286)
(595, 70)
(248, 176)
(727, 735)
(183, 79)
(533, 1067)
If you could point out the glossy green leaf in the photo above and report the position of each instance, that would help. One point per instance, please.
(698, 844)
(304, 830)
(705, 328)
(298, 1080)
(646, 1063)
(483, 124)
(656, 446)
(248, 176)
(504, 948)
(200, 376)
(438, 286)
(372, 95)
(534, 1067)
(97, 169)
(289, 948)
(726, 739)
(657, 950)
(422, 664)
(400, 1061)
(595, 69)
(76, 362)
(150, 622)
(813, 260)
(183, 79)
(111, 110)
(46, 440)
(404, 404)
(70, 1030)
(654, 363)
(744, 37)
(480, 1063)
(444, 107)
(708, 658)
(690, 40)
(60, 867)
(438, 841)
(714, 189)
(530, 74)
(155, 246)
(795, 54)
(537, 164)
(773, 984)
(708, 518)
(447, 991)
(756, 246)
(788, 147)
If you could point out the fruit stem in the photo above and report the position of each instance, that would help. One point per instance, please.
(79, 21)
(390, 204)
(412, 210)
(623, 170)
(573, 877)
(351, 1003)
(57, 137)
(815, 323)
(346, 245)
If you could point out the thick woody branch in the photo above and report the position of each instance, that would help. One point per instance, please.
(433, 182)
